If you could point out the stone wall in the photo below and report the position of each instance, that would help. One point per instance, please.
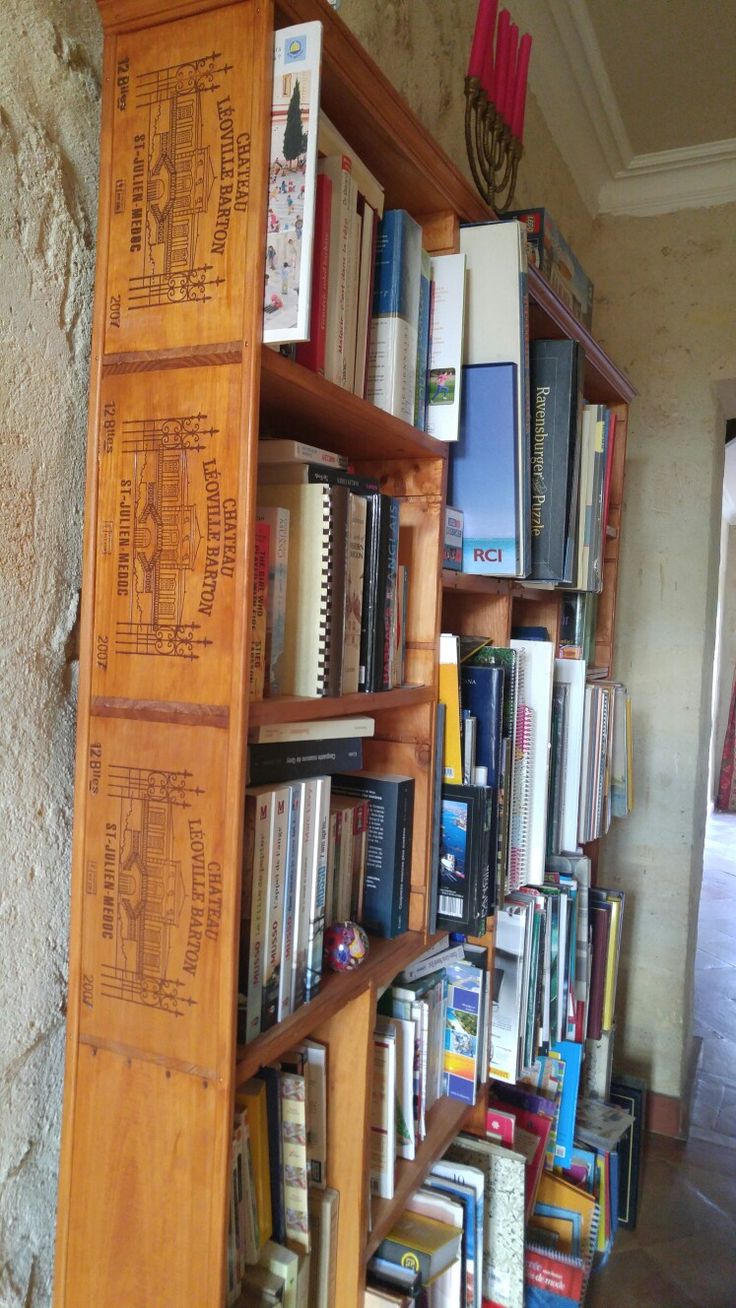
(49, 94)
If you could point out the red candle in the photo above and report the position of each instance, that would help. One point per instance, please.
(502, 58)
(485, 22)
(487, 78)
(522, 72)
(508, 98)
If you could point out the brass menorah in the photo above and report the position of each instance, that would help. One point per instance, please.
(493, 151)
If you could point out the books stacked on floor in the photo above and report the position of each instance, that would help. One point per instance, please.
(330, 595)
(317, 849)
(282, 1238)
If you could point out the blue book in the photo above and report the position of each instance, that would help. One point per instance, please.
(462, 1030)
(484, 465)
(481, 692)
(392, 348)
(572, 1056)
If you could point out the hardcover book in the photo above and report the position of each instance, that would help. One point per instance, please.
(259, 618)
(444, 389)
(388, 861)
(484, 473)
(497, 332)
(392, 348)
(291, 182)
(277, 521)
(556, 376)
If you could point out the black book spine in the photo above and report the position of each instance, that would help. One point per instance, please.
(390, 599)
(370, 591)
(336, 477)
(553, 401)
(294, 760)
(391, 809)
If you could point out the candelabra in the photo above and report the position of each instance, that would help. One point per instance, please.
(494, 153)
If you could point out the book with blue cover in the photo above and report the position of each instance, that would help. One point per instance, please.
(392, 349)
(484, 472)
(463, 1034)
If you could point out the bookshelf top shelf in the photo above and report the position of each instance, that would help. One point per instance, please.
(550, 317)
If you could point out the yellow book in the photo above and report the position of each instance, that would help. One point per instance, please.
(252, 1097)
(600, 1166)
(449, 695)
(609, 990)
(554, 1192)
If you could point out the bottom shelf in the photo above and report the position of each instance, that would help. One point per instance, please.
(445, 1119)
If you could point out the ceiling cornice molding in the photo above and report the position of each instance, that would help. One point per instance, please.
(568, 77)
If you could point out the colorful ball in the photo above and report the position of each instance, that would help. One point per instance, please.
(345, 946)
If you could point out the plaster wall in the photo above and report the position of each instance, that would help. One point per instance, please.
(49, 60)
(726, 665)
(664, 310)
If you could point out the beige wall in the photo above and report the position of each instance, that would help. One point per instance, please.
(664, 311)
(726, 666)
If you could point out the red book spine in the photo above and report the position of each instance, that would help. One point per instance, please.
(312, 352)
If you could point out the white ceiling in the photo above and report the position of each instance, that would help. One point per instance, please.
(640, 97)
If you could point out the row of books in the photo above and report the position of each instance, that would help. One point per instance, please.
(282, 1234)
(555, 966)
(430, 1039)
(329, 593)
(317, 849)
(555, 748)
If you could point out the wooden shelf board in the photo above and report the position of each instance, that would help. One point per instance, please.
(294, 398)
(445, 1119)
(297, 708)
(470, 583)
(385, 959)
(549, 316)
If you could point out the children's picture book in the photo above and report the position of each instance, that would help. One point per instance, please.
(292, 183)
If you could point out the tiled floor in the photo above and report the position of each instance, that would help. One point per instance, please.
(683, 1251)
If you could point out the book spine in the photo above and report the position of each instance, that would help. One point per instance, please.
(290, 760)
(311, 354)
(271, 1076)
(370, 592)
(258, 625)
(425, 301)
(355, 565)
(294, 1146)
(278, 854)
(277, 521)
(307, 852)
(259, 810)
(340, 228)
(351, 482)
(290, 901)
(388, 591)
(318, 889)
(324, 669)
(392, 357)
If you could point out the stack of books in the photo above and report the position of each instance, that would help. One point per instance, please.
(329, 592)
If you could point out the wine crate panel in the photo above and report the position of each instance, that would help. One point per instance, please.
(168, 534)
(184, 105)
(159, 1139)
(158, 908)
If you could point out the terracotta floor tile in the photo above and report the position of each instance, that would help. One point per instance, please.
(634, 1280)
(701, 1266)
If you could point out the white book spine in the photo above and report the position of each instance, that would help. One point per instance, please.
(278, 562)
(446, 346)
(290, 902)
(301, 908)
(317, 888)
(261, 816)
(275, 918)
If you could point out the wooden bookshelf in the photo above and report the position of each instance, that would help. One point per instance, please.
(151, 1056)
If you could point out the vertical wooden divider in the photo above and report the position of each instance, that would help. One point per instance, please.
(173, 417)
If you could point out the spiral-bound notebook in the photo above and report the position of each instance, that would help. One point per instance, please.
(537, 695)
(315, 587)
